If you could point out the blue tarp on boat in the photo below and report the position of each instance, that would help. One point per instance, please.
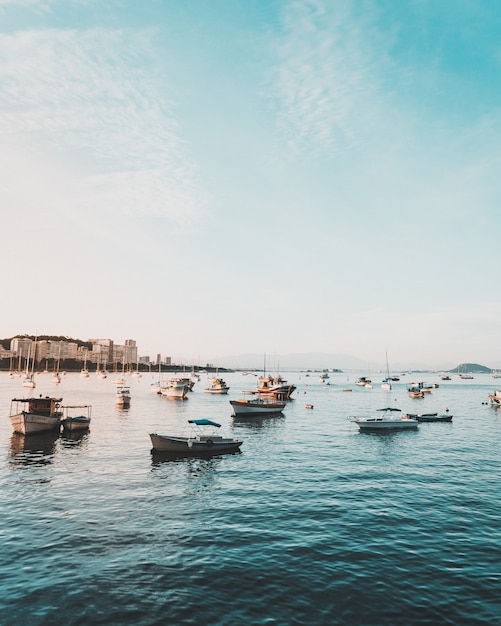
(204, 422)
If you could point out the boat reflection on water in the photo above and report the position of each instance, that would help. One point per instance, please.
(258, 422)
(72, 439)
(158, 458)
(33, 449)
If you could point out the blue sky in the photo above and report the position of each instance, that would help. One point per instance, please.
(216, 177)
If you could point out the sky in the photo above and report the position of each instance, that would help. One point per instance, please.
(216, 177)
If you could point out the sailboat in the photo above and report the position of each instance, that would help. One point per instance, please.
(85, 372)
(386, 385)
(29, 380)
(56, 379)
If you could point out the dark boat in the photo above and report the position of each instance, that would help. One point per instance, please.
(432, 417)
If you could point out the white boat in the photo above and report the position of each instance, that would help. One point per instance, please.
(84, 372)
(72, 422)
(123, 397)
(29, 382)
(363, 381)
(174, 388)
(256, 406)
(29, 378)
(40, 414)
(218, 386)
(495, 398)
(390, 419)
(203, 439)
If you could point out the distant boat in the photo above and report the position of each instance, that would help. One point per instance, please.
(363, 381)
(495, 398)
(122, 399)
(386, 384)
(415, 392)
(200, 441)
(76, 422)
(40, 414)
(218, 386)
(29, 378)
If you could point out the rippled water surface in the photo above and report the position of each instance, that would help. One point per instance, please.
(312, 523)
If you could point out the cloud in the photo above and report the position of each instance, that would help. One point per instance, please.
(94, 103)
(323, 77)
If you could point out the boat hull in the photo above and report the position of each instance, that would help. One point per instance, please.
(246, 407)
(387, 424)
(28, 423)
(76, 423)
(194, 445)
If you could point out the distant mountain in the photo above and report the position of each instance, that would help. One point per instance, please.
(471, 368)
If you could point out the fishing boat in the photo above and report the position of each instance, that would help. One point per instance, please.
(218, 385)
(203, 439)
(256, 406)
(275, 386)
(122, 399)
(38, 415)
(389, 419)
(81, 421)
(174, 388)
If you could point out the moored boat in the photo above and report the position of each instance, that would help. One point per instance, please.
(200, 440)
(363, 381)
(218, 385)
(256, 406)
(431, 417)
(72, 422)
(495, 398)
(275, 386)
(174, 388)
(388, 420)
(43, 414)
(122, 399)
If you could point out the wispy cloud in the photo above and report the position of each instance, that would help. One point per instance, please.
(323, 78)
(94, 102)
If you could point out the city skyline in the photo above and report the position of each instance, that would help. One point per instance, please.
(219, 179)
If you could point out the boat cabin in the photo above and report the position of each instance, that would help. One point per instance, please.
(40, 405)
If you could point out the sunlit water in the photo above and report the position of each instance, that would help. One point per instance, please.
(312, 523)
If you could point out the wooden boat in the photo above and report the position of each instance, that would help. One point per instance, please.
(76, 422)
(275, 386)
(218, 386)
(388, 420)
(43, 414)
(123, 397)
(200, 441)
(415, 392)
(256, 406)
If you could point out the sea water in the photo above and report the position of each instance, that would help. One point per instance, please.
(312, 522)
